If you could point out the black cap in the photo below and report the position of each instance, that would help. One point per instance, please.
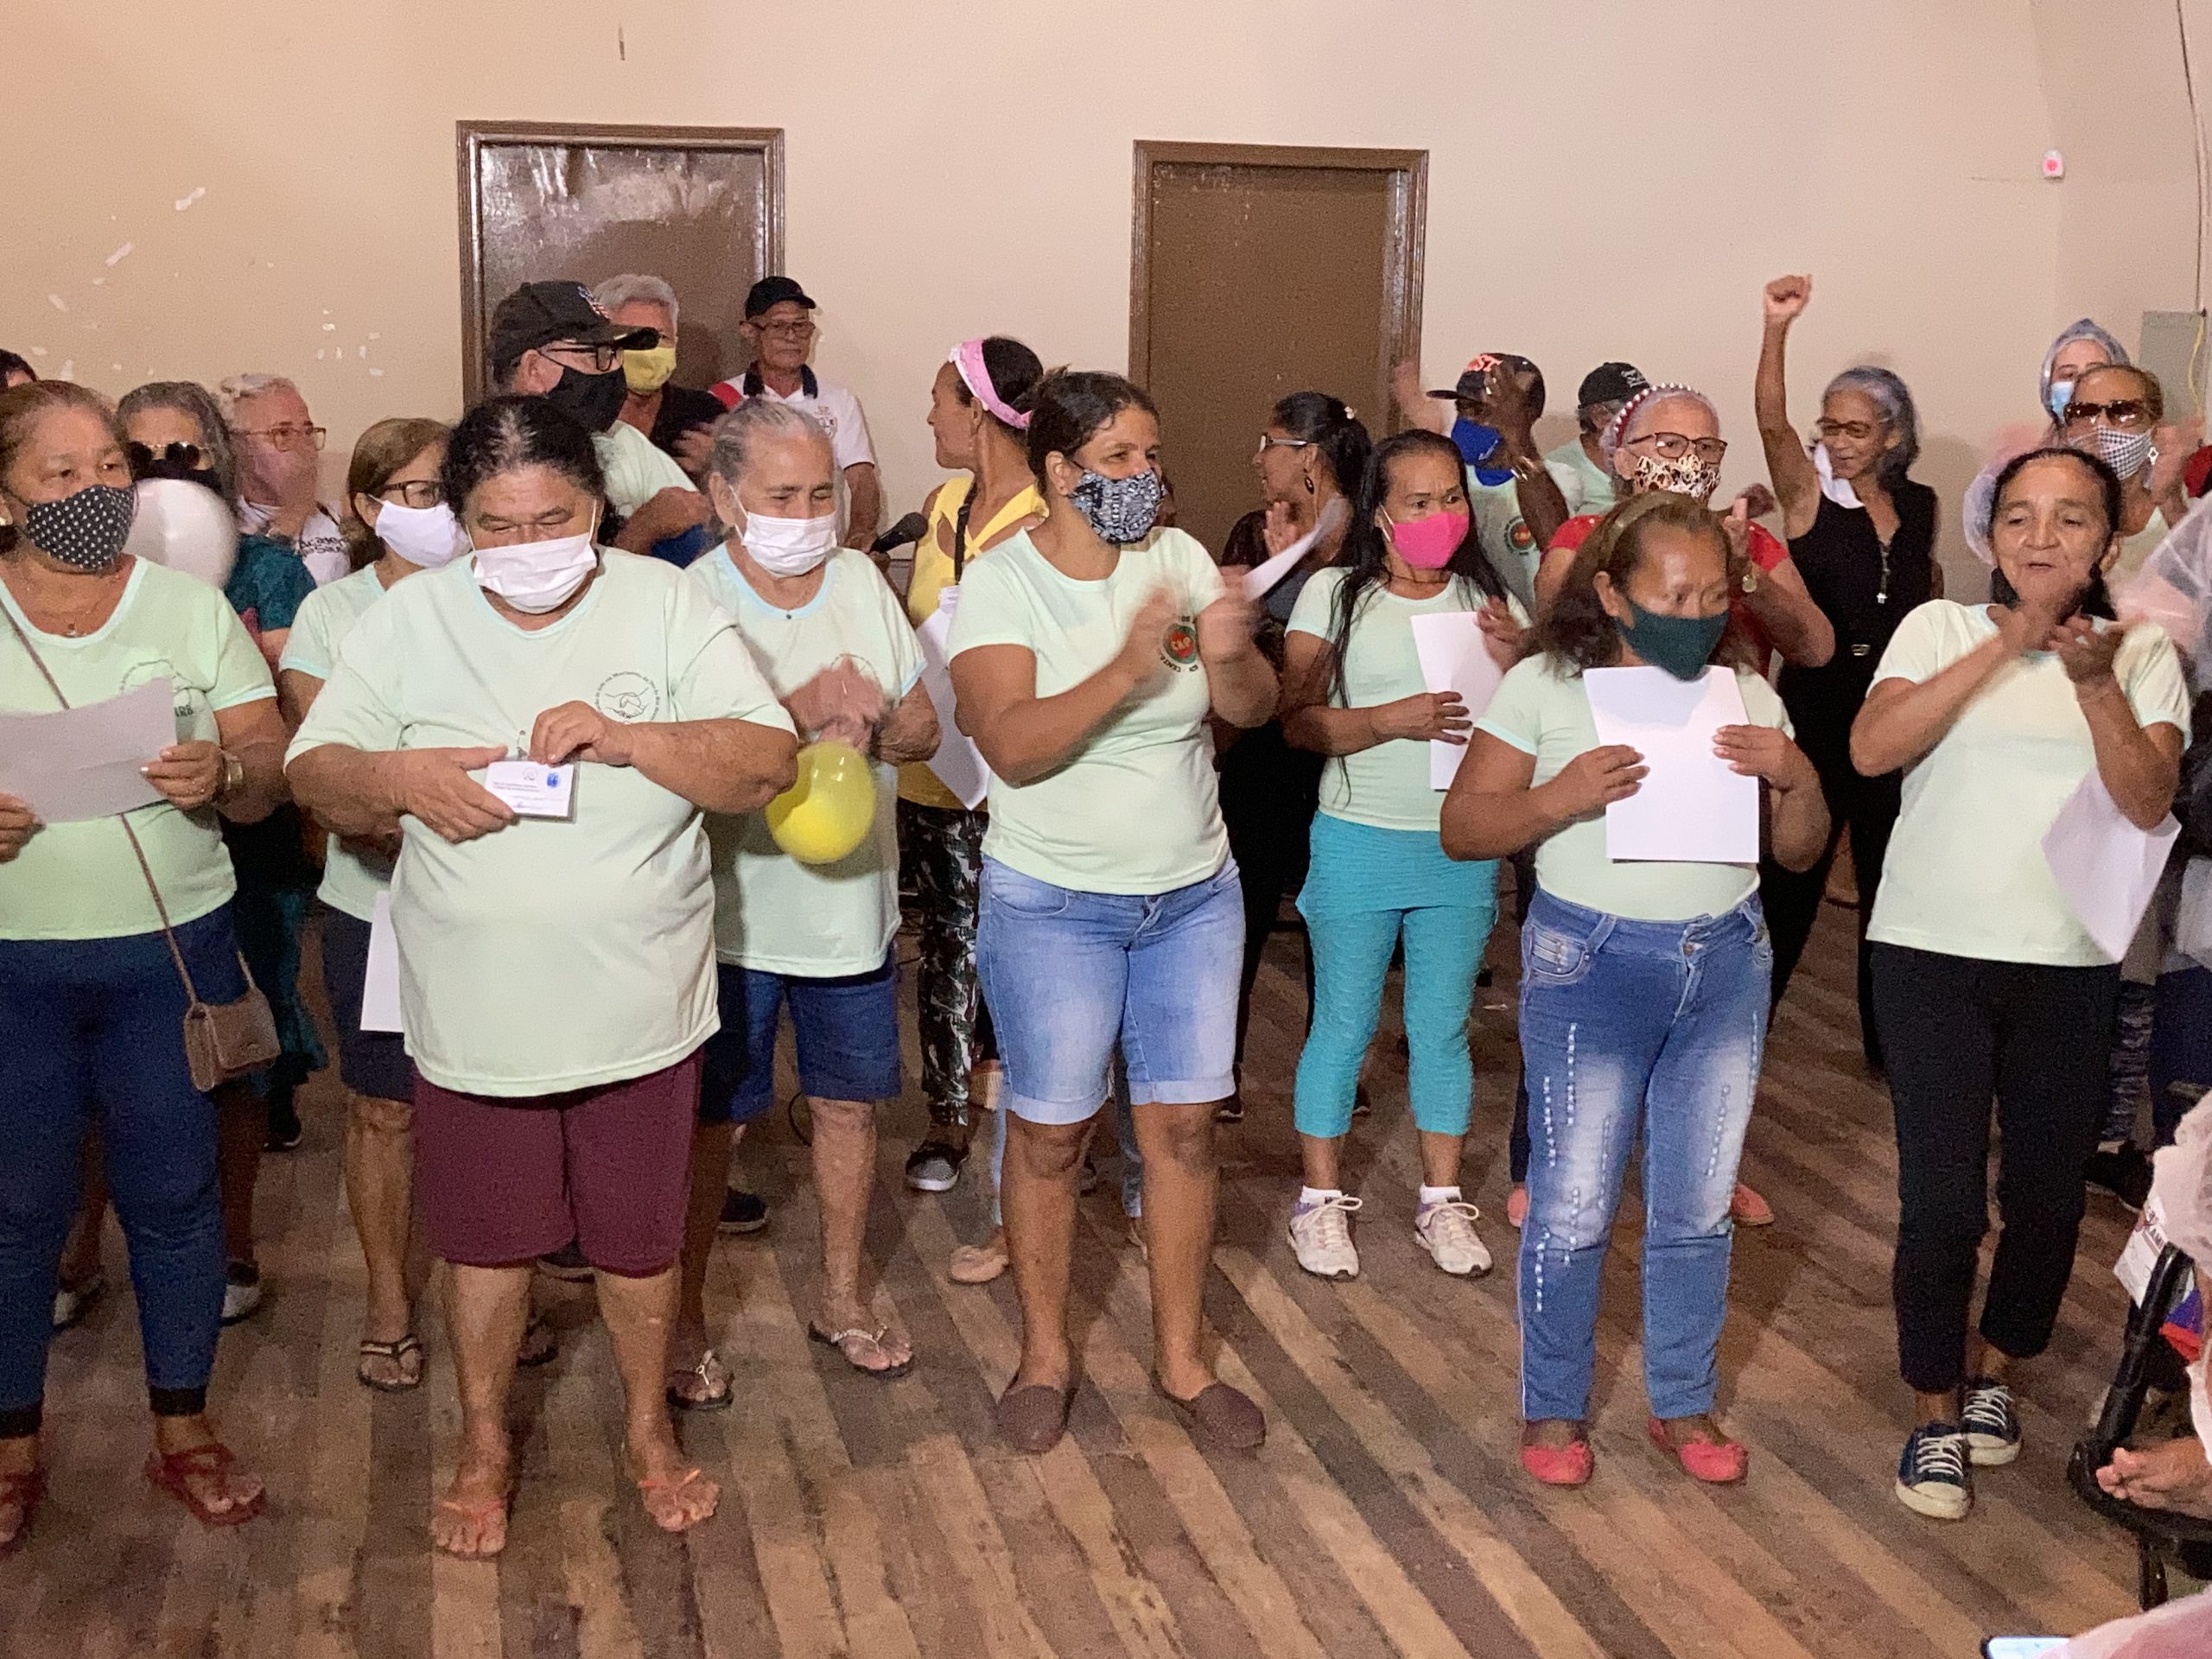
(537, 314)
(774, 290)
(1610, 382)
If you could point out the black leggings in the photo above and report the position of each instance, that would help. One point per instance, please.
(1868, 808)
(1269, 793)
(1957, 1030)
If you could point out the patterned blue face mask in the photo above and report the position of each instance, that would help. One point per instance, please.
(1120, 510)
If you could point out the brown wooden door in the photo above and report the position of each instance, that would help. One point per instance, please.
(1259, 270)
(701, 206)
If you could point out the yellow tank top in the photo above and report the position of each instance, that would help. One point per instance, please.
(932, 573)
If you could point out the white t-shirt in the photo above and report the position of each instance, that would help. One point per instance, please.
(321, 544)
(772, 912)
(1965, 875)
(550, 954)
(351, 879)
(837, 409)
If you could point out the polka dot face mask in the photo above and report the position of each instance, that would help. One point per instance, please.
(86, 530)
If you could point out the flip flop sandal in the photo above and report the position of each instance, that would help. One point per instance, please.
(23, 1492)
(838, 1340)
(713, 1377)
(540, 1345)
(173, 1472)
(649, 1485)
(1221, 1415)
(482, 1510)
(397, 1352)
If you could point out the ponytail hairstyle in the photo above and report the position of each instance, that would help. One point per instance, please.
(1579, 632)
(1473, 581)
(1014, 371)
(1330, 426)
(2096, 599)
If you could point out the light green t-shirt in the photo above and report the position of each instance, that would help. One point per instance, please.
(1386, 785)
(81, 880)
(1543, 712)
(1503, 533)
(1134, 809)
(352, 879)
(1588, 486)
(637, 469)
(549, 955)
(772, 912)
(1965, 873)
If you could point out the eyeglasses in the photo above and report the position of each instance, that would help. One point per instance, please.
(2125, 411)
(188, 455)
(287, 437)
(800, 330)
(1857, 431)
(586, 360)
(416, 492)
(1672, 446)
(1269, 441)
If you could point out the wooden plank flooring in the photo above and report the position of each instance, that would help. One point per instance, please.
(1387, 1514)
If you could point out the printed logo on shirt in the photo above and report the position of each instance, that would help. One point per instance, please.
(156, 668)
(628, 697)
(1180, 648)
(1521, 537)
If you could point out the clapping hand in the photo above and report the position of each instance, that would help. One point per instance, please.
(2085, 651)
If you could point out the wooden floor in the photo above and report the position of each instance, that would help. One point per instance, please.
(1386, 1515)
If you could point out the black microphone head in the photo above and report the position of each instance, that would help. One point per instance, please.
(908, 529)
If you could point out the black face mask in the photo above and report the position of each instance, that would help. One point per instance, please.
(595, 400)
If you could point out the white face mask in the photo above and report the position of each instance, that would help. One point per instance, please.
(535, 577)
(789, 547)
(428, 537)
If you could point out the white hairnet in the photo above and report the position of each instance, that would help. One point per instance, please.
(2084, 329)
(1974, 509)
(2173, 588)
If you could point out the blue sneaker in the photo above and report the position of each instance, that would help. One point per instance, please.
(1932, 1476)
(1990, 1424)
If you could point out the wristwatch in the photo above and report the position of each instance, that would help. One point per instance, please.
(233, 777)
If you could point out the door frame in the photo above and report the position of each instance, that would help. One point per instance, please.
(472, 138)
(1401, 288)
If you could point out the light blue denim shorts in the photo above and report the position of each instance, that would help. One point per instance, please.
(1070, 976)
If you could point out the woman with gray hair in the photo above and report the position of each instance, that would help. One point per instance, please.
(1864, 536)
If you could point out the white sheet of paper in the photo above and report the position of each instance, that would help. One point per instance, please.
(533, 790)
(1454, 658)
(380, 986)
(2106, 867)
(2144, 1246)
(84, 763)
(1261, 579)
(958, 764)
(1692, 809)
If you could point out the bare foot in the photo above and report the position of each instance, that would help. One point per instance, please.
(216, 1487)
(676, 1495)
(867, 1343)
(978, 1264)
(470, 1521)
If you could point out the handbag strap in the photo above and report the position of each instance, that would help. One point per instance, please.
(176, 955)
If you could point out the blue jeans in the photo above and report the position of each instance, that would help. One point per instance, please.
(1072, 975)
(1629, 1027)
(844, 1032)
(93, 1028)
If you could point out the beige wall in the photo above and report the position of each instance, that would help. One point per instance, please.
(1608, 177)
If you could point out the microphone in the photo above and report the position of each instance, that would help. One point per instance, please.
(909, 530)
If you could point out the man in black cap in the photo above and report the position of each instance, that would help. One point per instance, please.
(1579, 465)
(780, 328)
(551, 341)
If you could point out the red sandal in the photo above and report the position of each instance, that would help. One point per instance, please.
(173, 1472)
(22, 1492)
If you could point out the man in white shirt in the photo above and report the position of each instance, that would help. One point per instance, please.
(278, 446)
(779, 325)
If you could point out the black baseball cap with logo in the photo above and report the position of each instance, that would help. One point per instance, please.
(1610, 382)
(537, 314)
(774, 290)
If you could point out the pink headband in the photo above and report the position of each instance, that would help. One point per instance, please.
(967, 358)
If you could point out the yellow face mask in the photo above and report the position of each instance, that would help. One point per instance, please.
(648, 370)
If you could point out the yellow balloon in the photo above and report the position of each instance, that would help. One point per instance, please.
(828, 812)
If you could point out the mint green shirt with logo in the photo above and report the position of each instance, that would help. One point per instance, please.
(550, 954)
(82, 880)
(352, 877)
(1134, 810)
(772, 912)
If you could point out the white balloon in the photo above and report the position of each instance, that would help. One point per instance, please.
(185, 526)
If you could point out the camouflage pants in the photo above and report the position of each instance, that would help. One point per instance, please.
(942, 849)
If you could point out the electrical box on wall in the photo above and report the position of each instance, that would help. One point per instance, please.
(2175, 347)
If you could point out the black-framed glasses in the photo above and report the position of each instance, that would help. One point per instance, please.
(802, 329)
(585, 359)
(1857, 431)
(2132, 412)
(414, 492)
(190, 457)
(1672, 446)
(287, 436)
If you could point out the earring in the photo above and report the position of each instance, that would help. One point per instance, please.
(1309, 487)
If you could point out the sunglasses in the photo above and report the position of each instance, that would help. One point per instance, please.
(2125, 411)
(188, 455)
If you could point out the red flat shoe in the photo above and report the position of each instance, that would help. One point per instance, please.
(22, 1492)
(1722, 1463)
(1571, 1465)
(172, 1470)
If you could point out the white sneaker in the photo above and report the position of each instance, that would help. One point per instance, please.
(1322, 1237)
(1448, 1231)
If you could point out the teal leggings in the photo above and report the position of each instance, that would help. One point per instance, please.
(1351, 955)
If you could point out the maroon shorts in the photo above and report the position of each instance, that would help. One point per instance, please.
(501, 1181)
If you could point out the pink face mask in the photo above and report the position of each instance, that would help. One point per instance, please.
(1428, 544)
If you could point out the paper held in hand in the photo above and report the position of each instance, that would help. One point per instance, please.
(2107, 869)
(1454, 657)
(533, 790)
(957, 764)
(86, 762)
(1691, 807)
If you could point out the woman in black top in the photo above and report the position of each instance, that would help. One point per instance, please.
(1863, 536)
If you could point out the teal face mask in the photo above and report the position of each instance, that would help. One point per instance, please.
(1681, 644)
